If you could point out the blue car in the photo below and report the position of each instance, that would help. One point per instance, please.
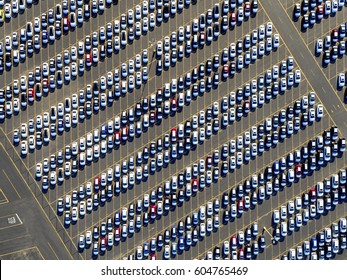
(145, 249)
(116, 219)
(174, 249)
(276, 168)
(314, 244)
(103, 132)
(173, 232)
(181, 243)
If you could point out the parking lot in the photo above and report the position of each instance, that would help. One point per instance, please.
(89, 180)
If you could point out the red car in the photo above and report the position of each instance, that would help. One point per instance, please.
(313, 195)
(116, 234)
(88, 60)
(225, 72)
(208, 162)
(153, 212)
(233, 19)
(233, 242)
(298, 171)
(247, 8)
(117, 138)
(241, 254)
(153, 257)
(31, 95)
(96, 183)
(152, 117)
(173, 135)
(173, 104)
(195, 186)
(334, 35)
(320, 12)
(66, 24)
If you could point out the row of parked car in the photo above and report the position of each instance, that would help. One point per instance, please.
(93, 91)
(313, 12)
(252, 250)
(54, 74)
(216, 206)
(104, 84)
(324, 246)
(202, 32)
(199, 120)
(11, 10)
(47, 29)
(333, 46)
(121, 133)
(104, 182)
(181, 139)
(191, 173)
(229, 149)
(309, 206)
(270, 185)
(89, 59)
(332, 187)
(71, 121)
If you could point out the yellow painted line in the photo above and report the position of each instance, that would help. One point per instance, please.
(53, 251)
(18, 237)
(15, 225)
(3, 201)
(10, 180)
(39, 252)
(36, 199)
(24, 250)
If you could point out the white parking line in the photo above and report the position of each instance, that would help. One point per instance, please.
(19, 219)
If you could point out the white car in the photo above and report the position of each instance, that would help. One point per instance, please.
(319, 111)
(24, 148)
(319, 46)
(284, 229)
(341, 80)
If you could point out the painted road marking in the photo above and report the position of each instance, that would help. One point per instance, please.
(27, 251)
(8, 178)
(3, 198)
(10, 221)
